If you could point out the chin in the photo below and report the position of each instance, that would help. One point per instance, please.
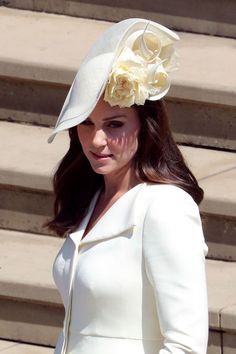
(102, 167)
(103, 171)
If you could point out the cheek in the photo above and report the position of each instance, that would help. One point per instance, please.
(133, 147)
(125, 145)
(83, 136)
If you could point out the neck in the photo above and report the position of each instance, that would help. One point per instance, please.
(119, 183)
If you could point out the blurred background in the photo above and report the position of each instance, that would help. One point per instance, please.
(42, 44)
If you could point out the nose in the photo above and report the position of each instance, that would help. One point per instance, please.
(99, 138)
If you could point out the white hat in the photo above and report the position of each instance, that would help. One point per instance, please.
(130, 62)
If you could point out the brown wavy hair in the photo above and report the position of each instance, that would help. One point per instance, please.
(157, 160)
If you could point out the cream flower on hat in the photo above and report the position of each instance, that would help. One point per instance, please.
(130, 63)
(141, 70)
(127, 81)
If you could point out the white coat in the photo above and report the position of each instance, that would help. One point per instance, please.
(136, 283)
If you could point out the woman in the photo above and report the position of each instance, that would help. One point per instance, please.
(131, 271)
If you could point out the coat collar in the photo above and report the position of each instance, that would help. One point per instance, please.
(121, 216)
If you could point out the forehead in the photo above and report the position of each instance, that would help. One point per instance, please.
(103, 110)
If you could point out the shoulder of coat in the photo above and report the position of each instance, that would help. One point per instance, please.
(166, 193)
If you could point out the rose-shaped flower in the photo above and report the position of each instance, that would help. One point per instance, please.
(148, 46)
(141, 70)
(154, 48)
(158, 82)
(127, 83)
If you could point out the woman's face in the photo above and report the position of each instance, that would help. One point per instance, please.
(109, 137)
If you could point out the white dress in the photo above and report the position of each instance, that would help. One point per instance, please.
(136, 283)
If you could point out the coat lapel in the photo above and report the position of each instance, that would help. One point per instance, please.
(120, 217)
(78, 234)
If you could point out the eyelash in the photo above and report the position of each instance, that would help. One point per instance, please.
(112, 124)
(115, 124)
(86, 122)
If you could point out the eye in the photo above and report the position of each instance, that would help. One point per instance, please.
(86, 122)
(115, 124)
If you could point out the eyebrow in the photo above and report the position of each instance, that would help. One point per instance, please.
(112, 117)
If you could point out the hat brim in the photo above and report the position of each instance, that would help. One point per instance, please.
(91, 79)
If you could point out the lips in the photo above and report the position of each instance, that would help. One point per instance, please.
(101, 156)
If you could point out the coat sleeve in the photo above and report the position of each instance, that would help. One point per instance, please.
(174, 254)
